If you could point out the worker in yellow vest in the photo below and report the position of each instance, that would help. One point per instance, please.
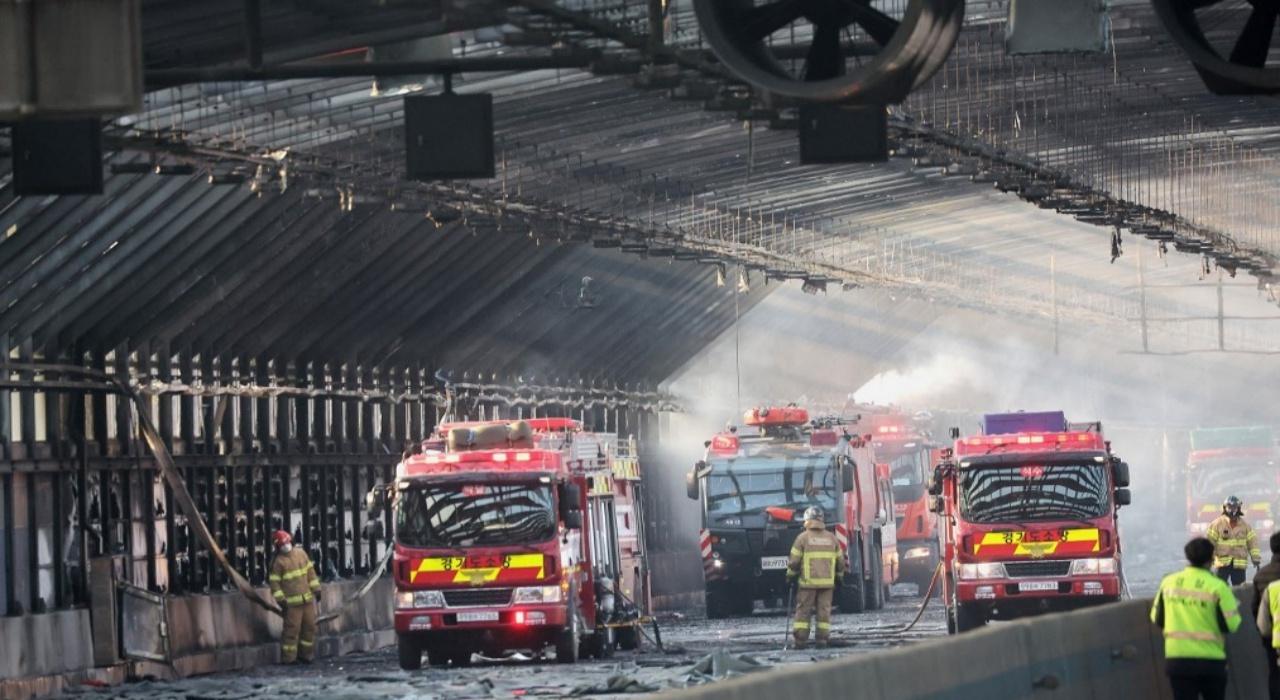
(1268, 620)
(1235, 543)
(296, 588)
(816, 566)
(1196, 610)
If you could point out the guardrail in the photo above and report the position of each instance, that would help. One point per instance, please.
(1107, 652)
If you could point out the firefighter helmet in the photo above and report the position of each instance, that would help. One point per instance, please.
(281, 538)
(813, 513)
(1232, 507)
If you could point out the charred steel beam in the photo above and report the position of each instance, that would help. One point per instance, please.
(169, 77)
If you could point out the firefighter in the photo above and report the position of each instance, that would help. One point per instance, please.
(296, 588)
(817, 567)
(1235, 544)
(1196, 610)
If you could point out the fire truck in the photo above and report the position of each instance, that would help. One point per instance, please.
(754, 486)
(516, 536)
(1232, 461)
(905, 451)
(1028, 518)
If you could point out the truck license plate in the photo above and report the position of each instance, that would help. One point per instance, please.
(478, 616)
(1026, 586)
(772, 563)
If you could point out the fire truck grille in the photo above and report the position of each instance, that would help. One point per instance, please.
(1022, 569)
(472, 597)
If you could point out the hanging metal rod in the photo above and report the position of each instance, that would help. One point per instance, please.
(169, 77)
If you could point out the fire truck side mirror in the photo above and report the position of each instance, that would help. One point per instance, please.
(936, 504)
(692, 486)
(1120, 472)
(570, 497)
(1123, 497)
(376, 500)
(933, 484)
(847, 482)
(573, 519)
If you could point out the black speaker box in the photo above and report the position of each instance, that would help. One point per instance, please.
(448, 136)
(57, 157)
(832, 133)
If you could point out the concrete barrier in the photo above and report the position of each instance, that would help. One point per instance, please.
(1111, 652)
(45, 654)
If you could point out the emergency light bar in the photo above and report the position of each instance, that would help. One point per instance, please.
(538, 425)
(1027, 442)
(774, 416)
(491, 457)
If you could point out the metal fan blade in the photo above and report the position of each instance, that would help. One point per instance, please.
(879, 26)
(1255, 41)
(760, 22)
(825, 58)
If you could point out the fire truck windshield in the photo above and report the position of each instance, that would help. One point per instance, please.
(1215, 480)
(466, 515)
(749, 485)
(991, 494)
(907, 473)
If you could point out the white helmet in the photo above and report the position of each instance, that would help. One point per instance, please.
(813, 513)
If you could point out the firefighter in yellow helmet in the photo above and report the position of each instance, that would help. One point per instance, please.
(817, 566)
(1235, 544)
(1196, 610)
(296, 588)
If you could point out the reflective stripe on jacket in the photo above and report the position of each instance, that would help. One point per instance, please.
(816, 556)
(1196, 610)
(1233, 545)
(293, 579)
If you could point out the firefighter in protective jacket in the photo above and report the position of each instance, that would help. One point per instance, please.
(817, 566)
(296, 588)
(1235, 544)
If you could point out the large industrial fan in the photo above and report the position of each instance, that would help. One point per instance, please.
(1228, 41)
(856, 51)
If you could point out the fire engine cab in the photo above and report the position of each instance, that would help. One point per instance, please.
(905, 451)
(754, 486)
(1029, 519)
(1240, 461)
(508, 537)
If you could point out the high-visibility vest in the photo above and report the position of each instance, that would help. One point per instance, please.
(1189, 602)
(816, 553)
(1233, 545)
(1273, 605)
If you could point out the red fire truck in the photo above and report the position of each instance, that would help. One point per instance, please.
(753, 490)
(1227, 462)
(1028, 519)
(507, 538)
(904, 449)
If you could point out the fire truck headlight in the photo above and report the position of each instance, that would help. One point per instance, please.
(1267, 524)
(981, 570)
(1089, 567)
(419, 599)
(1200, 528)
(916, 553)
(537, 594)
